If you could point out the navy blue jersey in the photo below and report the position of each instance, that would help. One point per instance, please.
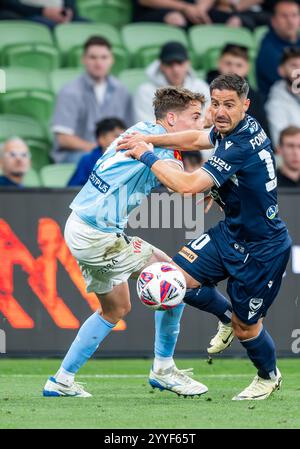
(244, 172)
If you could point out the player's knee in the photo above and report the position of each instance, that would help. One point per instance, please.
(124, 309)
(244, 331)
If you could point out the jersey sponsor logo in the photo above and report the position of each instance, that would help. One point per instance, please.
(219, 164)
(97, 182)
(258, 140)
(272, 211)
(254, 306)
(228, 144)
(188, 254)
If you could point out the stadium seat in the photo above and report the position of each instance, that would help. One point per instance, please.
(201, 74)
(60, 77)
(144, 40)
(132, 78)
(56, 175)
(113, 12)
(211, 37)
(70, 39)
(28, 92)
(32, 179)
(27, 44)
(34, 134)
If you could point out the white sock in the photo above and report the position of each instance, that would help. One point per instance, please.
(64, 377)
(162, 363)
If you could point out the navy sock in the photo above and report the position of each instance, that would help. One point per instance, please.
(209, 299)
(261, 351)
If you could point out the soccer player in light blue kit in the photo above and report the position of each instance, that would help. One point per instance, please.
(108, 258)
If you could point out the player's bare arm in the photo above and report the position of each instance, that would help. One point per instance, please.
(181, 182)
(185, 140)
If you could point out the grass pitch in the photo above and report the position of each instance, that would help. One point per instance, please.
(122, 397)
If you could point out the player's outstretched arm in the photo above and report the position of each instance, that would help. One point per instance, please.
(185, 140)
(181, 182)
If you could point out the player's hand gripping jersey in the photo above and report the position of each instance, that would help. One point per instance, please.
(244, 171)
(118, 184)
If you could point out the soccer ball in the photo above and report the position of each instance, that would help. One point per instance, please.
(161, 286)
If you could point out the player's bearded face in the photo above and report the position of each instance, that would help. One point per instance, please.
(227, 109)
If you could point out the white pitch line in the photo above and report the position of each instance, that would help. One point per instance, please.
(122, 376)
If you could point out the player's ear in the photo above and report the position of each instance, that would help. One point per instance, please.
(171, 118)
(246, 104)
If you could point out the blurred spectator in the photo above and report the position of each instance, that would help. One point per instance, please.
(15, 162)
(190, 12)
(235, 59)
(283, 105)
(91, 97)
(284, 32)
(172, 12)
(288, 175)
(192, 160)
(47, 12)
(173, 68)
(107, 131)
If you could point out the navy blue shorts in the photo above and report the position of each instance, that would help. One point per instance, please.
(252, 285)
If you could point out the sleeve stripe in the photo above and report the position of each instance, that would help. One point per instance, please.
(214, 178)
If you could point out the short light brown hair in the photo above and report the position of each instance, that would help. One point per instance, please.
(289, 131)
(175, 99)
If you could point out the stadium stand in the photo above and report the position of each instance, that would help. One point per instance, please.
(28, 92)
(60, 77)
(27, 45)
(32, 179)
(56, 175)
(71, 37)
(113, 12)
(207, 40)
(33, 132)
(38, 62)
(143, 40)
(132, 78)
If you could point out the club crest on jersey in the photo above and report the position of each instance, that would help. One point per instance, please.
(254, 306)
(253, 125)
(272, 211)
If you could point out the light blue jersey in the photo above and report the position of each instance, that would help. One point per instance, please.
(118, 184)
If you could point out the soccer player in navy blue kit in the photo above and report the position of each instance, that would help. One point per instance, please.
(251, 246)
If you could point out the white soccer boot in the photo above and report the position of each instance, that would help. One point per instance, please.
(259, 388)
(177, 381)
(56, 389)
(222, 339)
